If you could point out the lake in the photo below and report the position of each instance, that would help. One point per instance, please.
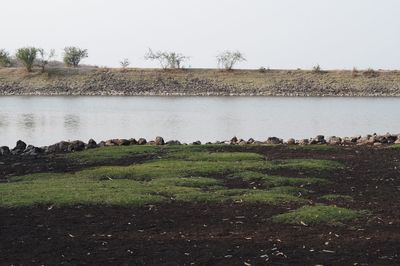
(45, 120)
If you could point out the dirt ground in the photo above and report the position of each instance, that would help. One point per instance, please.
(212, 234)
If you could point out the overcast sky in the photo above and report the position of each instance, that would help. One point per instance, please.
(271, 33)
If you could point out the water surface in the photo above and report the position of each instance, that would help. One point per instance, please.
(46, 120)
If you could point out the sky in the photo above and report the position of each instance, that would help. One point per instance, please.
(283, 34)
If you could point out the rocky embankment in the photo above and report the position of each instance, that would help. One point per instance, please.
(22, 148)
(199, 82)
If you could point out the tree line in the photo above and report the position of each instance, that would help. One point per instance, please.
(30, 57)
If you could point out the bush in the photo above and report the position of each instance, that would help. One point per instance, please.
(44, 57)
(167, 59)
(317, 69)
(5, 60)
(27, 56)
(74, 55)
(370, 73)
(229, 59)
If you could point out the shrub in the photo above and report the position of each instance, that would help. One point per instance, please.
(44, 57)
(229, 59)
(27, 56)
(125, 63)
(5, 60)
(167, 59)
(317, 69)
(370, 73)
(74, 55)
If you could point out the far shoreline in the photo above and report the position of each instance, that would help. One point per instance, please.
(92, 81)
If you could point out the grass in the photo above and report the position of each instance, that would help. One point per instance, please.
(310, 215)
(177, 173)
(111, 153)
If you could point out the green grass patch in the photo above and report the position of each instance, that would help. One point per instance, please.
(318, 214)
(111, 153)
(177, 173)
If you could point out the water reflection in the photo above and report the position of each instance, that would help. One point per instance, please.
(27, 121)
(71, 122)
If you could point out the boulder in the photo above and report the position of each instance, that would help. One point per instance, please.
(102, 144)
(76, 145)
(4, 150)
(61, 146)
(110, 142)
(320, 139)
(242, 142)
(133, 141)
(274, 140)
(91, 144)
(304, 142)
(250, 141)
(122, 142)
(32, 150)
(173, 142)
(291, 141)
(19, 147)
(159, 141)
(197, 142)
(142, 141)
(234, 140)
(334, 140)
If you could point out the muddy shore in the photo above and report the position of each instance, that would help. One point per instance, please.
(198, 82)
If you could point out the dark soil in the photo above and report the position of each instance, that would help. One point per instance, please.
(217, 234)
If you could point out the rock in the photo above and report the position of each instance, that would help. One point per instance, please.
(208, 143)
(242, 142)
(378, 144)
(61, 146)
(334, 140)
(102, 144)
(173, 142)
(250, 141)
(133, 141)
(110, 142)
(320, 139)
(76, 145)
(19, 147)
(4, 150)
(291, 141)
(234, 140)
(32, 150)
(304, 142)
(91, 144)
(391, 138)
(122, 142)
(142, 141)
(197, 142)
(159, 141)
(151, 142)
(397, 141)
(274, 140)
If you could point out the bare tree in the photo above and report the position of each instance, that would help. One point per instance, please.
(44, 57)
(5, 60)
(229, 59)
(167, 59)
(125, 63)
